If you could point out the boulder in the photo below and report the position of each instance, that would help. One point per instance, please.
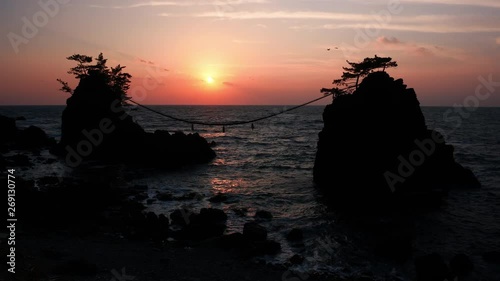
(96, 125)
(208, 223)
(461, 265)
(261, 214)
(254, 232)
(431, 268)
(375, 146)
(8, 129)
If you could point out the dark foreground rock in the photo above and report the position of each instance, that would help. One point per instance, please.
(31, 138)
(95, 125)
(375, 146)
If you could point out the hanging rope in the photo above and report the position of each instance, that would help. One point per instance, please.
(227, 123)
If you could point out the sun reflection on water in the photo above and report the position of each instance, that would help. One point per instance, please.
(220, 185)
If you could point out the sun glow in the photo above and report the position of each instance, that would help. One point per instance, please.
(209, 80)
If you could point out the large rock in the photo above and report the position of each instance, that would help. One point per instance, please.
(375, 145)
(29, 138)
(96, 125)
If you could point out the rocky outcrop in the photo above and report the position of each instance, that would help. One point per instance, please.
(31, 138)
(375, 145)
(95, 125)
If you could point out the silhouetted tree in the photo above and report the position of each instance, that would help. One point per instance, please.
(357, 70)
(117, 80)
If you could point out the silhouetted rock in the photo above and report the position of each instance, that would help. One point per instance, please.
(19, 160)
(297, 259)
(254, 231)
(207, 224)
(266, 247)
(29, 138)
(34, 137)
(492, 257)
(234, 241)
(431, 268)
(375, 145)
(461, 265)
(180, 216)
(8, 129)
(263, 214)
(96, 125)
(164, 196)
(295, 235)
(218, 198)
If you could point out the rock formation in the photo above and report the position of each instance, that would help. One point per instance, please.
(95, 125)
(375, 146)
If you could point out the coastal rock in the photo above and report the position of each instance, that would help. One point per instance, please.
(431, 268)
(295, 235)
(207, 224)
(492, 257)
(234, 241)
(96, 125)
(254, 231)
(8, 129)
(267, 247)
(218, 198)
(34, 137)
(297, 259)
(461, 265)
(29, 138)
(375, 145)
(263, 215)
(180, 216)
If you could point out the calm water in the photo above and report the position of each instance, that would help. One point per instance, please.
(270, 168)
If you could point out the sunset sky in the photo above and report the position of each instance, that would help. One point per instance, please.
(249, 51)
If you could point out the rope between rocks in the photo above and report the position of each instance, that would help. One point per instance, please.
(192, 122)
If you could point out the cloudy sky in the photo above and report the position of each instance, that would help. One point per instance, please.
(250, 51)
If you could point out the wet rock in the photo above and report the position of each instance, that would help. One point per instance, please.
(263, 215)
(19, 160)
(492, 257)
(164, 196)
(190, 196)
(207, 224)
(295, 235)
(234, 241)
(180, 216)
(461, 265)
(8, 129)
(218, 198)
(79, 267)
(210, 215)
(431, 268)
(242, 212)
(34, 137)
(267, 247)
(254, 232)
(297, 259)
(49, 181)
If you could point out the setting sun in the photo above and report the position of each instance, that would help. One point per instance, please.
(209, 80)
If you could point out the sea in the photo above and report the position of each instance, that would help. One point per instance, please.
(269, 167)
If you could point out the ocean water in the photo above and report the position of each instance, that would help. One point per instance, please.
(270, 168)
